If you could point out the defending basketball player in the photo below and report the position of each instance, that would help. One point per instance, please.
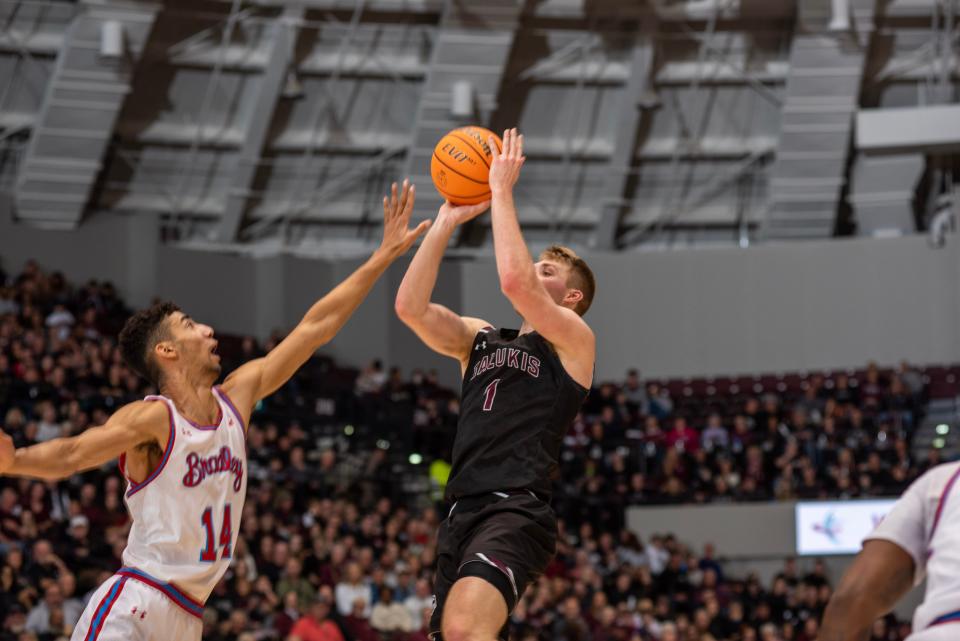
(521, 390)
(917, 538)
(184, 452)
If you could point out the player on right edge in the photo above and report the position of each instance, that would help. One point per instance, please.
(521, 390)
(920, 536)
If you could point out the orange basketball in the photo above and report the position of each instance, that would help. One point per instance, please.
(460, 166)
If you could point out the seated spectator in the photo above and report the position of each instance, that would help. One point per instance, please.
(352, 588)
(388, 616)
(635, 393)
(316, 625)
(371, 380)
(571, 626)
(72, 606)
(45, 566)
(422, 633)
(421, 598)
(292, 581)
(715, 436)
(48, 427)
(660, 404)
(284, 620)
(357, 624)
(683, 437)
(48, 615)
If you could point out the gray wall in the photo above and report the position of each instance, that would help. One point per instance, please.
(108, 246)
(775, 307)
(691, 312)
(746, 530)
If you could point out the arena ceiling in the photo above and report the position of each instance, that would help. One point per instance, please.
(648, 124)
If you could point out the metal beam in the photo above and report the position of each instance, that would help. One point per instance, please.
(698, 198)
(691, 10)
(625, 147)
(473, 44)
(86, 90)
(279, 60)
(186, 170)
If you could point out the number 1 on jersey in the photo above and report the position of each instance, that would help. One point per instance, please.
(489, 394)
(209, 553)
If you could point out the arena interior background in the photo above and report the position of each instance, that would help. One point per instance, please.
(762, 186)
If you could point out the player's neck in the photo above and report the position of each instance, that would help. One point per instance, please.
(194, 399)
(525, 328)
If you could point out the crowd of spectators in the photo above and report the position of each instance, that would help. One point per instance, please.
(835, 437)
(333, 547)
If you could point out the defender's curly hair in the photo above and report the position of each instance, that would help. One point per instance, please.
(141, 333)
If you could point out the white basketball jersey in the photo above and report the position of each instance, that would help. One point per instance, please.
(925, 522)
(186, 514)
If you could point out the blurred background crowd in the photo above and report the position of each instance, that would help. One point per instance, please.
(346, 473)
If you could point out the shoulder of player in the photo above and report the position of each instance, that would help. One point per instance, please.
(937, 477)
(248, 373)
(578, 338)
(142, 415)
(475, 325)
(242, 385)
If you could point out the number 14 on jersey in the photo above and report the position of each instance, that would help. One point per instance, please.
(209, 553)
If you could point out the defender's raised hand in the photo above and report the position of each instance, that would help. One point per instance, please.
(505, 169)
(397, 208)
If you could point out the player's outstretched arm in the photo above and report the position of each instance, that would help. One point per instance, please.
(441, 329)
(880, 575)
(563, 327)
(60, 458)
(263, 376)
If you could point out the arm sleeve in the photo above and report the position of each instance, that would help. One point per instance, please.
(904, 525)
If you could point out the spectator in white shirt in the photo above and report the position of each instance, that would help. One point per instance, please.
(420, 599)
(715, 436)
(389, 616)
(351, 588)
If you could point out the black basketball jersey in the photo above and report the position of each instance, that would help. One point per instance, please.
(516, 404)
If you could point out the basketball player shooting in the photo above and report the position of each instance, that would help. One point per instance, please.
(184, 452)
(917, 538)
(521, 390)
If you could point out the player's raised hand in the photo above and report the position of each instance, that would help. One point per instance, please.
(459, 214)
(397, 208)
(505, 169)
(6, 452)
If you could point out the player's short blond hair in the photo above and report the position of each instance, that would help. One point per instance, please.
(581, 276)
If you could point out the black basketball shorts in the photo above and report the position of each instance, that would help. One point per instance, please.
(507, 541)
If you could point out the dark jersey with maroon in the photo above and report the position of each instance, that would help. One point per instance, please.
(517, 403)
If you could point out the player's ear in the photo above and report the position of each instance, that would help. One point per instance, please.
(165, 350)
(573, 297)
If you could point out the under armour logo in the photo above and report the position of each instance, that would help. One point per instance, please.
(143, 613)
(481, 345)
